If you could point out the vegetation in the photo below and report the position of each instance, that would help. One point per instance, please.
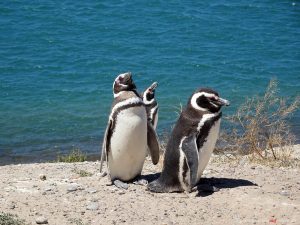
(260, 127)
(77, 221)
(76, 155)
(82, 173)
(10, 219)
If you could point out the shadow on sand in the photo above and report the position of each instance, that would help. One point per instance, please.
(208, 186)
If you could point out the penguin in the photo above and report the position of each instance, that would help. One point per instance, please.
(191, 143)
(151, 104)
(128, 135)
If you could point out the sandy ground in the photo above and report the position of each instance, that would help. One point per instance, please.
(249, 194)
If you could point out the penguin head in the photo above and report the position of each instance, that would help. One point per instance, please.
(123, 82)
(207, 100)
(148, 95)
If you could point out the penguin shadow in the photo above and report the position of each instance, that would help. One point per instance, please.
(150, 177)
(207, 186)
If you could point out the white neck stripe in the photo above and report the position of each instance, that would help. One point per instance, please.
(196, 96)
(205, 118)
(129, 101)
(145, 99)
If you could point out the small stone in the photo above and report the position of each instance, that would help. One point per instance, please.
(41, 220)
(12, 206)
(103, 174)
(91, 190)
(48, 189)
(121, 192)
(42, 177)
(284, 193)
(72, 187)
(92, 206)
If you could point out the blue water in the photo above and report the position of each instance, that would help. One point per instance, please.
(58, 60)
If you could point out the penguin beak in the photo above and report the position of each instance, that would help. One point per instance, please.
(127, 77)
(222, 101)
(151, 89)
(124, 78)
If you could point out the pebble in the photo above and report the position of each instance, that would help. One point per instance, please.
(91, 190)
(12, 206)
(42, 177)
(284, 193)
(41, 220)
(48, 189)
(72, 187)
(92, 206)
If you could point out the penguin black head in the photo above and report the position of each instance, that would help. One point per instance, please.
(123, 82)
(148, 95)
(207, 100)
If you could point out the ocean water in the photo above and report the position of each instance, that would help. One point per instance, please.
(58, 60)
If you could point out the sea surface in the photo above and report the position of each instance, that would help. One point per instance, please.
(58, 60)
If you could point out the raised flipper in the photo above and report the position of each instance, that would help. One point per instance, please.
(190, 150)
(152, 142)
(105, 144)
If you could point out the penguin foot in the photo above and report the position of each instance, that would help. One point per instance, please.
(158, 187)
(120, 184)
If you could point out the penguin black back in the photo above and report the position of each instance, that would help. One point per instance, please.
(191, 135)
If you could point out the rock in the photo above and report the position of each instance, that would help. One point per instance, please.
(72, 187)
(12, 206)
(41, 220)
(121, 192)
(285, 193)
(48, 189)
(92, 206)
(42, 177)
(91, 191)
(103, 174)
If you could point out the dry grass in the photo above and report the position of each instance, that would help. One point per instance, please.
(260, 129)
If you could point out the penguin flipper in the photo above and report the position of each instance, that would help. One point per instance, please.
(105, 144)
(189, 147)
(152, 142)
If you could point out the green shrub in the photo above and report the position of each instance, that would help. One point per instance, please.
(76, 155)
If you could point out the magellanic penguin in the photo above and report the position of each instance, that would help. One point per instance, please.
(151, 104)
(128, 133)
(191, 143)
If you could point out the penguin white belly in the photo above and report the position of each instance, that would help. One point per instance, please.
(207, 148)
(128, 144)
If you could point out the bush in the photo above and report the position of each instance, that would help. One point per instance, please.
(260, 127)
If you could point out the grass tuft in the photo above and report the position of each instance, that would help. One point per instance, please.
(76, 155)
(82, 173)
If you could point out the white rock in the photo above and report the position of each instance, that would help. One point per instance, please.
(41, 220)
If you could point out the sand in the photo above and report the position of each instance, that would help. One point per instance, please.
(56, 193)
